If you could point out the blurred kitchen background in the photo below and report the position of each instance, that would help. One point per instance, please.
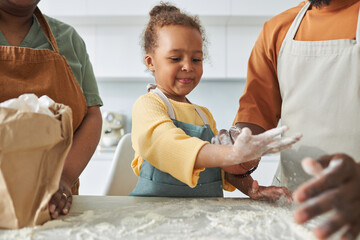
(112, 31)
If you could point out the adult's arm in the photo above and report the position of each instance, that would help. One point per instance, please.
(85, 141)
(336, 186)
(255, 129)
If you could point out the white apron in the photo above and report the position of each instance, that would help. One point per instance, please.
(320, 89)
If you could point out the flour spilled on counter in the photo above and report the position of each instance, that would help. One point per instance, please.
(175, 219)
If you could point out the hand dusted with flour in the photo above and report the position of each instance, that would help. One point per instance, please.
(335, 179)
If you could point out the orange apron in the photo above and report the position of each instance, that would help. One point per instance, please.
(42, 72)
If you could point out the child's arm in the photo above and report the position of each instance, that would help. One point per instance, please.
(251, 188)
(246, 147)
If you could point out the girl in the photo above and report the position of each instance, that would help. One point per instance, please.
(170, 135)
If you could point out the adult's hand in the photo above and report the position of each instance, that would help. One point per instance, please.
(60, 202)
(270, 193)
(335, 186)
(225, 137)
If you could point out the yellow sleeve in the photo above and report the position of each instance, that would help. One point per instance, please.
(226, 185)
(165, 146)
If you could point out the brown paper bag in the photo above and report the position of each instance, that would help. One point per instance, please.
(33, 148)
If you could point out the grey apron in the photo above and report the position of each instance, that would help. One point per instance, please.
(153, 182)
(320, 89)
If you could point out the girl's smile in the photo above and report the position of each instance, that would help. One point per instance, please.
(185, 80)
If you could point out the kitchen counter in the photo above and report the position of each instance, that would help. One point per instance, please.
(123, 217)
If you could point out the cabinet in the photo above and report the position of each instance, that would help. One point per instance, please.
(94, 177)
(120, 11)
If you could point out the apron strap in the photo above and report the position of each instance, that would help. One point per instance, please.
(161, 95)
(46, 28)
(166, 101)
(290, 35)
(202, 116)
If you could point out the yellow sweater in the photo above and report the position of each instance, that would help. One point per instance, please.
(156, 139)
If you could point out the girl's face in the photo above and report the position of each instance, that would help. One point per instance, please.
(177, 61)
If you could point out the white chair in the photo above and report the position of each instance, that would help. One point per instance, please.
(122, 179)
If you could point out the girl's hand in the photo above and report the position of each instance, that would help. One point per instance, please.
(60, 202)
(249, 147)
(271, 193)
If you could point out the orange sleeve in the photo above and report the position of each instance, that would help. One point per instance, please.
(260, 103)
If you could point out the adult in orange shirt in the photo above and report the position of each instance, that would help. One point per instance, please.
(304, 69)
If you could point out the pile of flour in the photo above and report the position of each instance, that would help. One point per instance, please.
(175, 219)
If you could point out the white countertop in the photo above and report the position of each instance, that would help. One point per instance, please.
(105, 217)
